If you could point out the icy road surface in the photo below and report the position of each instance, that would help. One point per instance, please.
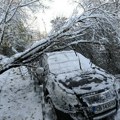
(18, 101)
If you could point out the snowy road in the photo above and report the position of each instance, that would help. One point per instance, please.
(18, 101)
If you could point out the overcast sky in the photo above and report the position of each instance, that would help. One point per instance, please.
(57, 8)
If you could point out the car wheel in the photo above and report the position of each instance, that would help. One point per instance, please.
(48, 110)
(62, 115)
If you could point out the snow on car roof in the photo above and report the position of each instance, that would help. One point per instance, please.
(68, 61)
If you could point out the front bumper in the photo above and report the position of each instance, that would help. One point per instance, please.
(103, 115)
(102, 107)
(104, 110)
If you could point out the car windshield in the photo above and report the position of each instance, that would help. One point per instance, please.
(68, 62)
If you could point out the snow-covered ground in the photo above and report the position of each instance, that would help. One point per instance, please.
(18, 101)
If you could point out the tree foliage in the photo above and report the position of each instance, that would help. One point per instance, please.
(105, 28)
(14, 33)
(57, 23)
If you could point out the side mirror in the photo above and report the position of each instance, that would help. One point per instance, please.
(40, 70)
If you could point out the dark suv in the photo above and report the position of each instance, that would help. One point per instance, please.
(74, 88)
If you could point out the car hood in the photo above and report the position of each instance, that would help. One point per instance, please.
(86, 83)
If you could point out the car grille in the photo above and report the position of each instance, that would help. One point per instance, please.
(99, 98)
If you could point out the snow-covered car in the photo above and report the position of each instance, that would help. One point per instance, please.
(76, 89)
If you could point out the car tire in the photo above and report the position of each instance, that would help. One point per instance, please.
(62, 115)
(48, 110)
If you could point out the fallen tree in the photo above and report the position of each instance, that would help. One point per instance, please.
(70, 34)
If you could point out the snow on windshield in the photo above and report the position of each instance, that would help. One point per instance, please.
(68, 61)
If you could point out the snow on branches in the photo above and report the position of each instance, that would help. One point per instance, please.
(96, 25)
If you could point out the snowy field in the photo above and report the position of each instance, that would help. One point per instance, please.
(18, 101)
